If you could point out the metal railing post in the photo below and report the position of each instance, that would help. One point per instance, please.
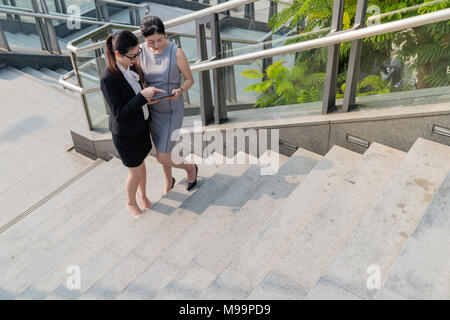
(3, 41)
(206, 101)
(230, 79)
(249, 11)
(227, 12)
(54, 44)
(355, 58)
(329, 96)
(63, 6)
(73, 58)
(177, 40)
(58, 6)
(220, 112)
(101, 11)
(8, 16)
(267, 61)
(43, 36)
(14, 17)
(273, 9)
(137, 16)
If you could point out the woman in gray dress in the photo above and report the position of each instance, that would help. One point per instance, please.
(163, 63)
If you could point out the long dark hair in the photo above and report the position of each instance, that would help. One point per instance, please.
(151, 25)
(122, 41)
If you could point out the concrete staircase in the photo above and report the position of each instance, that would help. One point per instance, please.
(48, 77)
(20, 42)
(313, 230)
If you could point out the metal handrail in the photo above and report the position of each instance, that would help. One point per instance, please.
(52, 16)
(347, 36)
(127, 4)
(404, 10)
(176, 21)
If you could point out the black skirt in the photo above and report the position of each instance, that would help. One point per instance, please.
(133, 149)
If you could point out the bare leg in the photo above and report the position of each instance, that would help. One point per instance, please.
(142, 193)
(166, 160)
(133, 179)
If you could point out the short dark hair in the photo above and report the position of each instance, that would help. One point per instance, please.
(151, 25)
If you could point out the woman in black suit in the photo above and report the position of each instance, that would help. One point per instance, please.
(128, 122)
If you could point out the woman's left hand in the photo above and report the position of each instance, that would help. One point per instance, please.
(177, 93)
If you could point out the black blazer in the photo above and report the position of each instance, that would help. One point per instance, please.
(126, 115)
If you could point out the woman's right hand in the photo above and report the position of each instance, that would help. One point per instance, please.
(150, 92)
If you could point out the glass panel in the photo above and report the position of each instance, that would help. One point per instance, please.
(286, 82)
(411, 66)
(188, 43)
(387, 11)
(97, 111)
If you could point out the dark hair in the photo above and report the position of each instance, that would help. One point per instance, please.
(121, 41)
(151, 25)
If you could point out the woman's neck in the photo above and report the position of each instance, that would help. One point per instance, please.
(123, 66)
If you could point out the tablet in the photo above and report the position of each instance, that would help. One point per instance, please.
(159, 96)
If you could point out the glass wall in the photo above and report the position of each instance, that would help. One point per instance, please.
(407, 67)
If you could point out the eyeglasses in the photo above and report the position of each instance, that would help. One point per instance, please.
(135, 56)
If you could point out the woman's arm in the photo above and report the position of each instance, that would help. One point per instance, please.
(185, 69)
(112, 93)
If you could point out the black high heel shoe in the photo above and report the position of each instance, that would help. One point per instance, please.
(190, 185)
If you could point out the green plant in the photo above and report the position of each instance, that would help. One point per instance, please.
(425, 49)
(281, 86)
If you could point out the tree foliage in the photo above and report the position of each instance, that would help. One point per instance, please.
(425, 50)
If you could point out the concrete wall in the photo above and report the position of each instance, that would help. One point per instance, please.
(398, 133)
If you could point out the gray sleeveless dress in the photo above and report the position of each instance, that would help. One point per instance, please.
(161, 71)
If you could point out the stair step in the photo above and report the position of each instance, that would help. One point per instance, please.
(168, 230)
(42, 77)
(66, 223)
(49, 78)
(217, 215)
(37, 269)
(50, 73)
(113, 219)
(57, 172)
(218, 252)
(30, 234)
(62, 71)
(57, 275)
(109, 287)
(216, 255)
(99, 264)
(255, 260)
(125, 271)
(110, 188)
(302, 265)
(109, 223)
(387, 225)
(325, 290)
(132, 234)
(214, 217)
(421, 270)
